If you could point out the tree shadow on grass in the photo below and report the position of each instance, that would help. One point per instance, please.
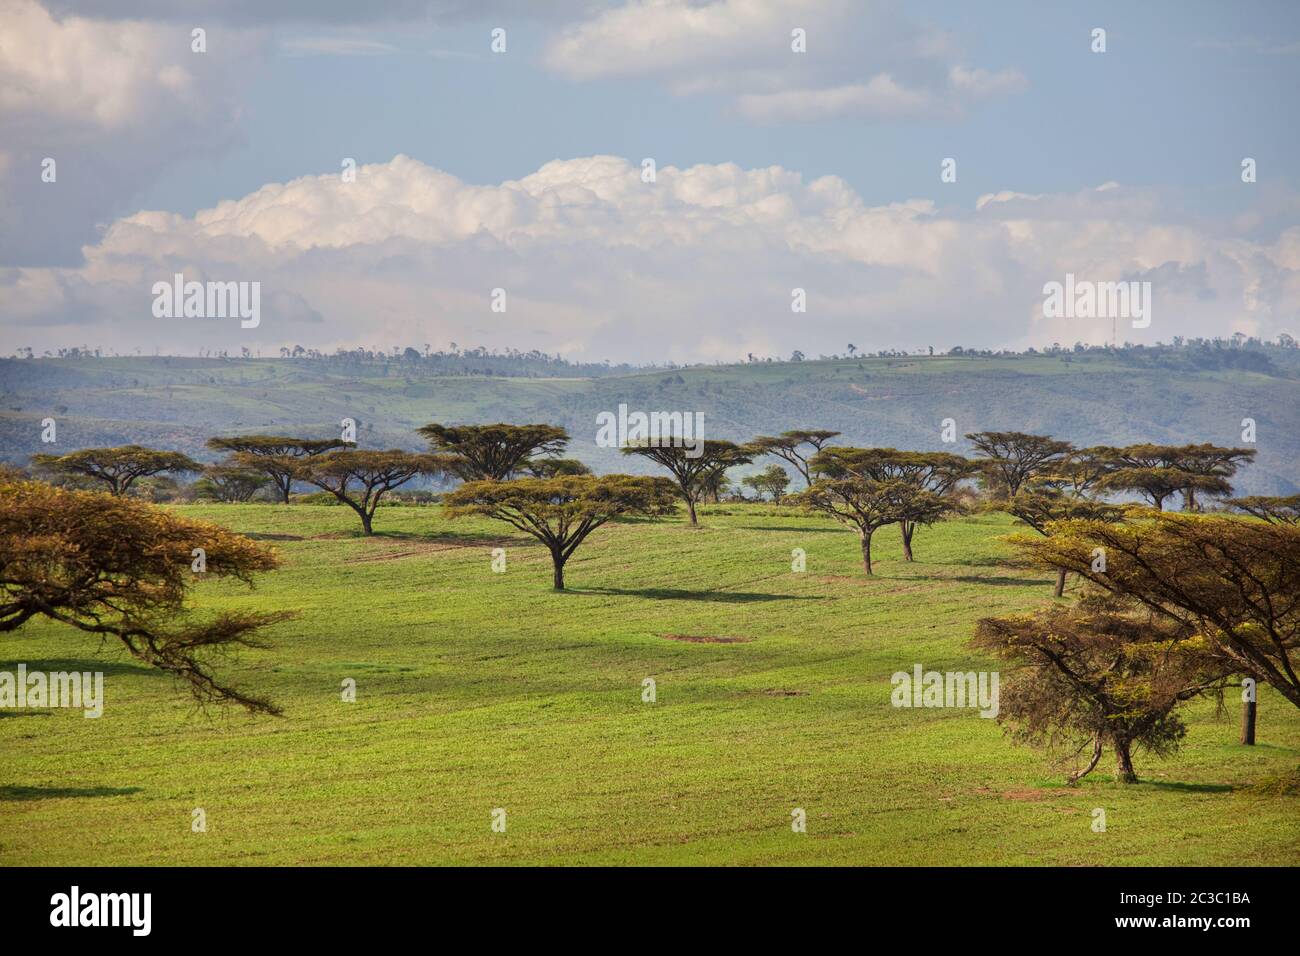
(463, 539)
(679, 594)
(1190, 787)
(999, 579)
(23, 794)
(47, 665)
(790, 529)
(988, 562)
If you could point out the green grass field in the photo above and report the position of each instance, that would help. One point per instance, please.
(478, 690)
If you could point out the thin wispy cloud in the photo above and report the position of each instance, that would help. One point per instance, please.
(334, 46)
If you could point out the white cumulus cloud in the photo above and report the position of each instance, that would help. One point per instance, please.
(863, 59)
(698, 265)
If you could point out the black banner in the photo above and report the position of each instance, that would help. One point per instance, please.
(335, 905)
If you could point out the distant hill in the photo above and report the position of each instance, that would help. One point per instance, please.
(1095, 398)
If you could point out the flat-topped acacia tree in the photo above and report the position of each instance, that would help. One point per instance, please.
(789, 446)
(493, 452)
(1211, 466)
(276, 456)
(1012, 458)
(867, 505)
(360, 479)
(693, 467)
(934, 471)
(1077, 473)
(120, 569)
(117, 468)
(1158, 472)
(230, 483)
(554, 467)
(562, 512)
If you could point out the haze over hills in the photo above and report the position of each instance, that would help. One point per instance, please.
(1098, 397)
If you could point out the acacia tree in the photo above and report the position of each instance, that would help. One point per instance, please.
(1211, 466)
(694, 467)
(714, 485)
(1155, 485)
(1097, 675)
(493, 452)
(1270, 508)
(866, 505)
(1234, 583)
(276, 456)
(1012, 458)
(118, 568)
(772, 480)
(374, 472)
(1041, 505)
(562, 512)
(937, 472)
(118, 468)
(1079, 472)
(230, 482)
(1157, 472)
(788, 445)
(554, 467)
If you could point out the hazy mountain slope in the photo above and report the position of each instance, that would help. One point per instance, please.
(179, 402)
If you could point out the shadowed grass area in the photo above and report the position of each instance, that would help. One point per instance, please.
(477, 690)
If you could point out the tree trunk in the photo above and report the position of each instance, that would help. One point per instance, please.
(558, 562)
(1248, 711)
(284, 491)
(866, 551)
(1124, 772)
(1189, 499)
(1060, 583)
(365, 522)
(1092, 764)
(907, 527)
(690, 507)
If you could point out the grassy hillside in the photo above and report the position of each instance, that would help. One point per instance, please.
(479, 690)
(1096, 399)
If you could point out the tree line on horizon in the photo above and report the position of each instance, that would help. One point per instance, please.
(1239, 350)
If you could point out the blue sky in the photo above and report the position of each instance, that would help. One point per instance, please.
(1163, 107)
(817, 170)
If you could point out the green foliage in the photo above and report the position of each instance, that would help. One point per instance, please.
(1100, 673)
(696, 468)
(771, 481)
(230, 482)
(360, 479)
(278, 457)
(867, 504)
(1234, 583)
(1010, 459)
(493, 452)
(562, 512)
(789, 446)
(116, 568)
(554, 467)
(116, 468)
(1271, 508)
